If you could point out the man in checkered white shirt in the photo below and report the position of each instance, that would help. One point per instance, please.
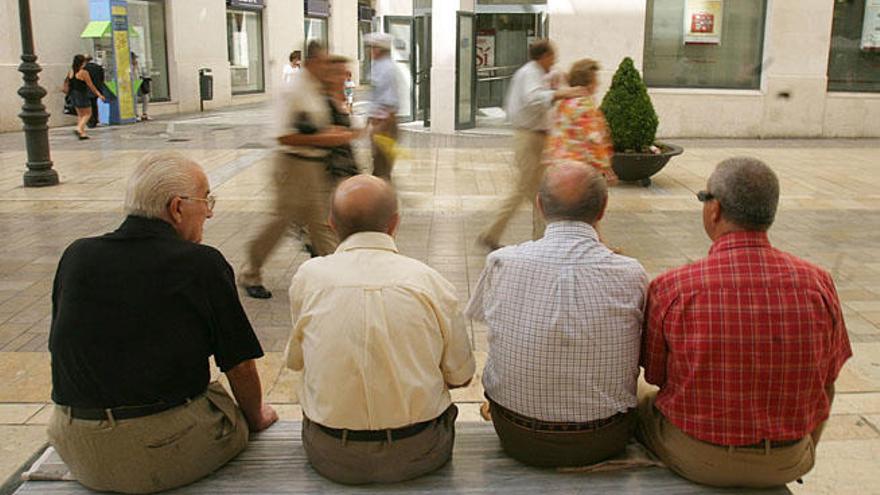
(564, 316)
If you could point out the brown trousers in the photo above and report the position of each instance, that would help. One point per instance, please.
(382, 163)
(302, 197)
(528, 147)
(716, 465)
(152, 453)
(544, 448)
(356, 463)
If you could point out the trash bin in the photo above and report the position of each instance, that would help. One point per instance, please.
(206, 86)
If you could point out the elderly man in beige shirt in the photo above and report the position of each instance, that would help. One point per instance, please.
(380, 339)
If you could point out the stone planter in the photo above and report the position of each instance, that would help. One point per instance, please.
(639, 167)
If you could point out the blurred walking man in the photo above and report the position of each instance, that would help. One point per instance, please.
(529, 101)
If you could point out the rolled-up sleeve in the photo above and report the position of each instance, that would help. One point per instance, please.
(457, 364)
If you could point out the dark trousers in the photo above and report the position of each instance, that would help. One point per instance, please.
(93, 120)
(543, 446)
(357, 462)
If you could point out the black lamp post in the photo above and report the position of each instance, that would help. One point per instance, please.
(33, 113)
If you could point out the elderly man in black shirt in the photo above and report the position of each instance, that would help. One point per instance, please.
(136, 314)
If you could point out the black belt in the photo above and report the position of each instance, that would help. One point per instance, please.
(379, 435)
(307, 157)
(539, 425)
(123, 412)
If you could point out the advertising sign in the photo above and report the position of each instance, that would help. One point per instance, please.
(122, 51)
(871, 26)
(485, 49)
(702, 21)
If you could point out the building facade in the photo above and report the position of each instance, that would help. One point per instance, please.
(714, 68)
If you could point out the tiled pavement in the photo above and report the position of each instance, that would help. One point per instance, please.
(448, 187)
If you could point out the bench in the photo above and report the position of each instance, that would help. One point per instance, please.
(275, 463)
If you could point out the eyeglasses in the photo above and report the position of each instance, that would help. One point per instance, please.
(704, 196)
(210, 200)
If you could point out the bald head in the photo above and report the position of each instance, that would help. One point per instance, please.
(363, 203)
(573, 191)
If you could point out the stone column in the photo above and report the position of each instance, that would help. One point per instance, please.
(444, 46)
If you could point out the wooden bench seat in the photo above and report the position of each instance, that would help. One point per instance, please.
(275, 463)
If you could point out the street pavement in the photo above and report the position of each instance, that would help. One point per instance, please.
(449, 187)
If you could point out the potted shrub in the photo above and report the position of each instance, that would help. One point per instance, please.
(632, 123)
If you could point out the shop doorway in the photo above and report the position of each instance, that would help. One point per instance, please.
(503, 36)
(422, 68)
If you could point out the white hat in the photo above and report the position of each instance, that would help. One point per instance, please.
(379, 40)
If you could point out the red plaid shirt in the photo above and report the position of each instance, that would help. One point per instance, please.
(743, 343)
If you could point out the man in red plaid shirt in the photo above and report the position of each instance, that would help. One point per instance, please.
(744, 344)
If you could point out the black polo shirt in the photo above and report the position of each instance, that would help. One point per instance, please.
(136, 313)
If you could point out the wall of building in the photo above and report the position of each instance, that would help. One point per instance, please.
(56, 40)
(344, 33)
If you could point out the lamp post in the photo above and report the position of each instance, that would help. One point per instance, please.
(33, 113)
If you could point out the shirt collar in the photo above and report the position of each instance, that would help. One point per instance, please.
(368, 240)
(137, 226)
(740, 239)
(571, 228)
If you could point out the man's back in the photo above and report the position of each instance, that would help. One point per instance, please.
(744, 342)
(564, 316)
(137, 313)
(378, 334)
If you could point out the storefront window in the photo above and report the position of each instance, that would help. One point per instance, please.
(245, 42)
(854, 62)
(316, 30)
(147, 40)
(704, 43)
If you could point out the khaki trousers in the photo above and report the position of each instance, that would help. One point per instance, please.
(562, 448)
(382, 163)
(152, 453)
(716, 465)
(302, 197)
(355, 463)
(528, 146)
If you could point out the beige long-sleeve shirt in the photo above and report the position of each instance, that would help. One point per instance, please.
(377, 335)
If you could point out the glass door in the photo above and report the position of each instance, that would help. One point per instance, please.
(465, 72)
(401, 29)
(422, 68)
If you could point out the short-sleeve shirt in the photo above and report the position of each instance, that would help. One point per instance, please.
(744, 342)
(377, 335)
(299, 102)
(136, 314)
(384, 97)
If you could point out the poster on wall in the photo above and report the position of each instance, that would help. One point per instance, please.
(871, 26)
(485, 49)
(702, 21)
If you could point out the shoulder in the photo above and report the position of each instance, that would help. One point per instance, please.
(678, 279)
(808, 271)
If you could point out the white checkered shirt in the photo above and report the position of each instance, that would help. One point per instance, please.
(565, 316)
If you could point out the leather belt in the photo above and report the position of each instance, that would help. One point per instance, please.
(308, 158)
(379, 435)
(538, 425)
(123, 412)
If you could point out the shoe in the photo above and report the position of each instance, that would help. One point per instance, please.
(257, 292)
(146, 117)
(82, 137)
(488, 244)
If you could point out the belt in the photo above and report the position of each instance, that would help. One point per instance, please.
(123, 412)
(536, 424)
(379, 435)
(307, 157)
(773, 444)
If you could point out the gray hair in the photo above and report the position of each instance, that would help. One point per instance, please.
(156, 180)
(585, 206)
(747, 190)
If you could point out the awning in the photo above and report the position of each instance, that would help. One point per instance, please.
(96, 29)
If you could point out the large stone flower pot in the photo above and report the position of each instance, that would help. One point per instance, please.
(639, 167)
